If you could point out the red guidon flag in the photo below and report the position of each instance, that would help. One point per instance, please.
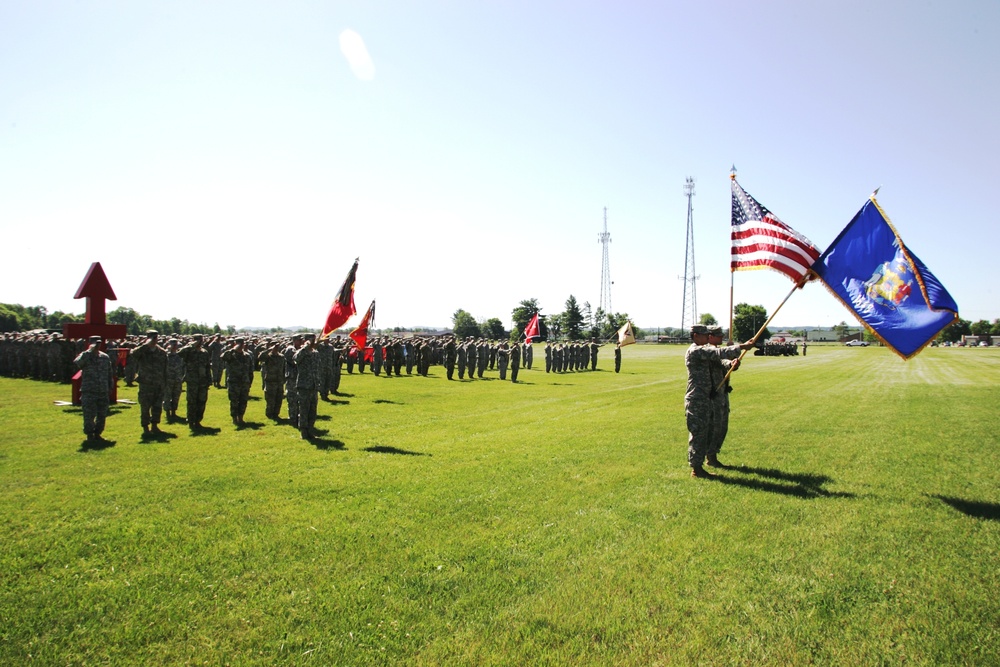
(531, 330)
(343, 305)
(360, 335)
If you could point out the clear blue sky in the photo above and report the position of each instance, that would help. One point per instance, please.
(226, 163)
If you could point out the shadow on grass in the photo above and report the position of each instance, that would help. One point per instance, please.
(157, 436)
(973, 508)
(205, 430)
(386, 401)
(95, 445)
(798, 485)
(333, 401)
(323, 444)
(252, 426)
(382, 449)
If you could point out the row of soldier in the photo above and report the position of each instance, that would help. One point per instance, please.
(297, 370)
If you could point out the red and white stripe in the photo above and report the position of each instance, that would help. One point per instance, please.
(765, 242)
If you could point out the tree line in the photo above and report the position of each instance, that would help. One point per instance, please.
(15, 317)
(576, 322)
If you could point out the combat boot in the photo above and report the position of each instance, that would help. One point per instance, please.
(701, 473)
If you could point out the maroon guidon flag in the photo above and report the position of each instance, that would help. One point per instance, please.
(762, 241)
(343, 305)
(531, 330)
(360, 335)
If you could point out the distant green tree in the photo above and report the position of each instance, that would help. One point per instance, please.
(995, 327)
(464, 325)
(555, 326)
(572, 319)
(708, 319)
(747, 319)
(612, 323)
(981, 328)
(523, 313)
(493, 329)
(954, 331)
(126, 316)
(842, 330)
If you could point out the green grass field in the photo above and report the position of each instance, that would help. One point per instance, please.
(553, 522)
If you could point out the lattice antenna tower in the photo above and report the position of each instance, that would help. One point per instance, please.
(604, 238)
(689, 314)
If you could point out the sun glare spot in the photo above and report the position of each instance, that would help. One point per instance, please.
(356, 53)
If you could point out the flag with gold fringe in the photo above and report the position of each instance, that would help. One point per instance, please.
(872, 272)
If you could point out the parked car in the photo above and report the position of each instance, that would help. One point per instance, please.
(856, 343)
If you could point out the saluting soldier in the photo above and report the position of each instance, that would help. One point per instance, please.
(175, 380)
(272, 374)
(239, 374)
(198, 376)
(307, 384)
(151, 368)
(96, 381)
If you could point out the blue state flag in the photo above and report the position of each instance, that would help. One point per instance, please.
(874, 274)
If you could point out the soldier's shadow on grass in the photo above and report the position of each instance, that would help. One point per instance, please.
(324, 444)
(799, 485)
(973, 508)
(157, 436)
(383, 449)
(385, 401)
(333, 401)
(95, 445)
(252, 426)
(205, 430)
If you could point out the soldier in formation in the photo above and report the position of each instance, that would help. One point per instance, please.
(96, 381)
(239, 376)
(307, 362)
(198, 377)
(151, 370)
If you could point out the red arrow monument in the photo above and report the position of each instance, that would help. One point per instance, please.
(96, 289)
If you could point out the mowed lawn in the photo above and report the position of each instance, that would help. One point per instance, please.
(550, 522)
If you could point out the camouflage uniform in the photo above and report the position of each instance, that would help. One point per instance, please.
(174, 385)
(239, 375)
(272, 372)
(96, 380)
(503, 360)
(198, 377)
(291, 375)
(701, 362)
(720, 403)
(515, 362)
(307, 385)
(151, 368)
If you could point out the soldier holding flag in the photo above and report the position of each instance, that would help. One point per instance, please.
(701, 360)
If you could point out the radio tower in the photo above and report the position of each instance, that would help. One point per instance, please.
(605, 238)
(689, 314)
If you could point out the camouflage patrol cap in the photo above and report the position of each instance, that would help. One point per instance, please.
(715, 331)
(198, 336)
(152, 333)
(239, 339)
(94, 339)
(699, 329)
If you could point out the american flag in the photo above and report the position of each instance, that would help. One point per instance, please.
(762, 241)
